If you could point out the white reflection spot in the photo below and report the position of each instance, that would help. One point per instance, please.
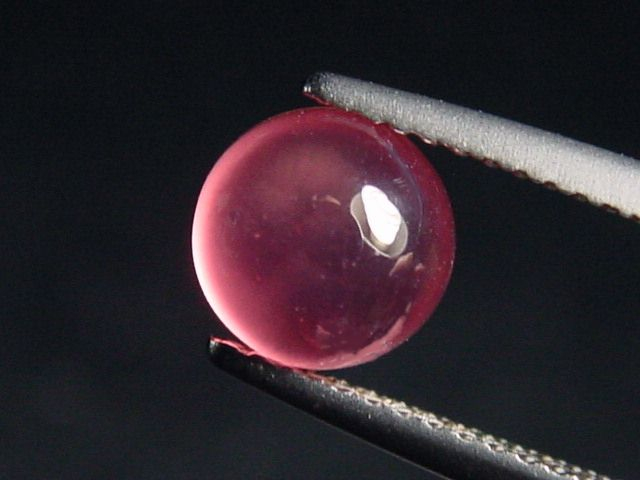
(380, 222)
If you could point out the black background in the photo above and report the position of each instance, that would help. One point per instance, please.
(111, 119)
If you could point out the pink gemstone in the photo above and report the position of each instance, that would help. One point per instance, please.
(323, 240)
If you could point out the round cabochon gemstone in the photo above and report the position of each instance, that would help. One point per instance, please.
(323, 240)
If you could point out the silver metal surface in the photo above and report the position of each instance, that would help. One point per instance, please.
(604, 178)
(428, 440)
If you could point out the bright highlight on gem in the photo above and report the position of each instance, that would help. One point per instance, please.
(323, 240)
(381, 224)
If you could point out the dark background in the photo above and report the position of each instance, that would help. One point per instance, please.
(110, 121)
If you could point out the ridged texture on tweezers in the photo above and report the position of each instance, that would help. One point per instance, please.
(603, 178)
(428, 440)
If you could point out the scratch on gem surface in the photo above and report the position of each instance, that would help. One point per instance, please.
(402, 263)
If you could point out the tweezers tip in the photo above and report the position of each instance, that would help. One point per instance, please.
(214, 348)
(316, 84)
(313, 82)
(221, 350)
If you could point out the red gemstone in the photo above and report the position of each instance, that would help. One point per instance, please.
(323, 240)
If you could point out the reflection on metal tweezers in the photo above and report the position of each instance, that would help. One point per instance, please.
(603, 178)
(432, 442)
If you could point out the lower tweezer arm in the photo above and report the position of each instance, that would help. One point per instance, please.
(425, 439)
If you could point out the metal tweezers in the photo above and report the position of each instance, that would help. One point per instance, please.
(442, 446)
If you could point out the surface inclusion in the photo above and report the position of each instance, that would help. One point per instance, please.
(323, 240)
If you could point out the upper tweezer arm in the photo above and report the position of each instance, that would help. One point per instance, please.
(603, 178)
